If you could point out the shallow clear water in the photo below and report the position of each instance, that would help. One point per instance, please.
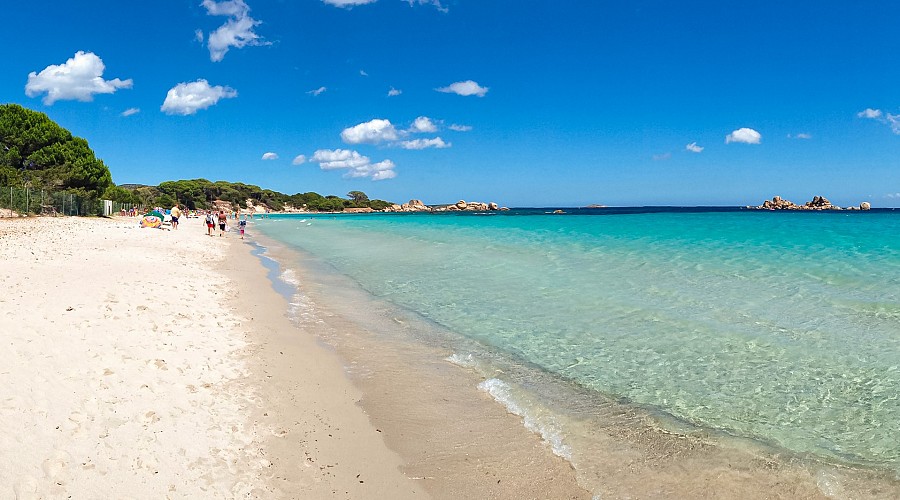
(781, 327)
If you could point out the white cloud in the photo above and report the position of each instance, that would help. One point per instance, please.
(436, 143)
(198, 35)
(233, 8)
(460, 128)
(371, 132)
(892, 121)
(744, 135)
(356, 164)
(694, 148)
(376, 171)
(317, 91)
(801, 135)
(348, 3)
(270, 156)
(131, 111)
(330, 159)
(363, 73)
(423, 124)
(299, 160)
(465, 88)
(78, 79)
(436, 3)
(869, 113)
(188, 98)
(394, 92)
(236, 32)
(663, 156)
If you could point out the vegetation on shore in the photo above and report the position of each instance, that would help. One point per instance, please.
(36, 152)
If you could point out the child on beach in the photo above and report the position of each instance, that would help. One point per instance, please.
(242, 224)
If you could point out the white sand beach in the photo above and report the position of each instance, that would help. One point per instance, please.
(146, 363)
(126, 373)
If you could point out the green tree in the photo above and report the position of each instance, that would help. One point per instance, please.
(358, 198)
(34, 149)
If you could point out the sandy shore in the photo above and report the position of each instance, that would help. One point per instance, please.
(129, 372)
(142, 363)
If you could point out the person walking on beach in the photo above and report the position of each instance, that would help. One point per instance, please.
(176, 213)
(223, 219)
(210, 223)
(243, 225)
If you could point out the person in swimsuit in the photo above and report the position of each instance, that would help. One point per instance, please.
(176, 213)
(243, 225)
(223, 219)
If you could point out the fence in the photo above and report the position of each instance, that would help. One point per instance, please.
(28, 201)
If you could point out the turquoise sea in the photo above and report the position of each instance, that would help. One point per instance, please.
(778, 327)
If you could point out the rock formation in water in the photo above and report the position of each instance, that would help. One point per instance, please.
(461, 205)
(817, 203)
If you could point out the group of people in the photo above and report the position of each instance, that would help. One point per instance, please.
(221, 218)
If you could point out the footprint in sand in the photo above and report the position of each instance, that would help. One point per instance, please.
(56, 465)
(150, 418)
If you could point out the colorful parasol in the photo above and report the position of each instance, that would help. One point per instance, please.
(152, 219)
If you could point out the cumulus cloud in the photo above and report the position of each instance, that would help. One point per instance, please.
(237, 31)
(77, 79)
(801, 135)
(744, 135)
(694, 148)
(460, 128)
(356, 164)
(348, 3)
(376, 171)
(869, 113)
(371, 132)
(661, 157)
(270, 156)
(317, 91)
(394, 92)
(423, 124)
(299, 160)
(465, 88)
(188, 98)
(436, 143)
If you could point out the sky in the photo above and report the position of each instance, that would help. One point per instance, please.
(523, 103)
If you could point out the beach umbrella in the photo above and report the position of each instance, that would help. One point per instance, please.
(152, 219)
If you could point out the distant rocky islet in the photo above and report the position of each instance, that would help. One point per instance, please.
(419, 206)
(817, 203)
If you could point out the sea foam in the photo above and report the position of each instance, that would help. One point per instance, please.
(536, 418)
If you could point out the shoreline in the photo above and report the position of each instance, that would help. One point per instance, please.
(631, 451)
(153, 363)
(149, 363)
(417, 408)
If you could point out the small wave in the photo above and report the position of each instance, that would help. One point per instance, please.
(536, 418)
(290, 277)
(466, 361)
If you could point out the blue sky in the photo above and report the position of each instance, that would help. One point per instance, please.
(526, 103)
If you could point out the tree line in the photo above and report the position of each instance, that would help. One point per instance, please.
(36, 152)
